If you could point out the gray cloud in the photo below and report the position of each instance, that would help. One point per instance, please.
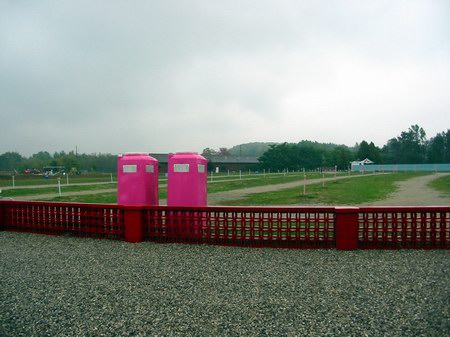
(115, 76)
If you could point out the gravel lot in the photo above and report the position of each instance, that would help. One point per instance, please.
(64, 286)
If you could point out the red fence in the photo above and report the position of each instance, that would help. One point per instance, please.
(278, 227)
(294, 227)
(86, 220)
(406, 227)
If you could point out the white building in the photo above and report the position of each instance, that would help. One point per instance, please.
(358, 163)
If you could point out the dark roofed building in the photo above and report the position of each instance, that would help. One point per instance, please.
(224, 163)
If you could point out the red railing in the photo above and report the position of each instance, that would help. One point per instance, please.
(242, 226)
(86, 220)
(295, 227)
(404, 227)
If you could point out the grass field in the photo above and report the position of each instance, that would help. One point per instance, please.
(26, 185)
(31, 180)
(342, 192)
(11, 193)
(441, 184)
(21, 181)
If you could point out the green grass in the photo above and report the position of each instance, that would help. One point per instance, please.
(441, 184)
(103, 198)
(11, 193)
(30, 180)
(213, 187)
(222, 186)
(342, 192)
(217, 185)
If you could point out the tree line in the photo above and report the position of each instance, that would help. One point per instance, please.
(13, 161)
(410, 147)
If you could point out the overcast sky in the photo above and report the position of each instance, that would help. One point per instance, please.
(173, 75)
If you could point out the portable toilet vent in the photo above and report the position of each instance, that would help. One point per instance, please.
(137, 180)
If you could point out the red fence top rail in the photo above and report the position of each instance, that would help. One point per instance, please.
(398, 209)
(193, 208)
(362, 209)
(59, 204)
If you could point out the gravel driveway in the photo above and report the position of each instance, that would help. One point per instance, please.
(64, 286)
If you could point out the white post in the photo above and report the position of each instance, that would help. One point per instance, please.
(59, 186)
(14, 182)
(264, 173)
(335, 172)
(304, 182)
(248, 172)
(67, 179)
(111, 178)
(240, 174)
(228, 172)
(323, 178)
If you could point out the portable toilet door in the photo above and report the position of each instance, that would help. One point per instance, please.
(137, 180)
(187, 179)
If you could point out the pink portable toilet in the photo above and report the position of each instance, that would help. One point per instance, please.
(137, 180)
(187, 179)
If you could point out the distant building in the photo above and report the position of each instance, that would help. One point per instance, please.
(232, 163)
(359, 163)
(223, 163)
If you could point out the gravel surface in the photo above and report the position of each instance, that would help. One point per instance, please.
(64, 286)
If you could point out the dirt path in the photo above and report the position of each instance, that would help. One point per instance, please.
(415, 192)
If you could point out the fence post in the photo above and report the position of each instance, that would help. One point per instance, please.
(346, 228)
(133, 224)
(2, 216)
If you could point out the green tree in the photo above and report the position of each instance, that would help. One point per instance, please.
(340, 156)
(409, 148)
(369, 151)
(438, 150)
(292, 157)
(11, 161)
(39, 160)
